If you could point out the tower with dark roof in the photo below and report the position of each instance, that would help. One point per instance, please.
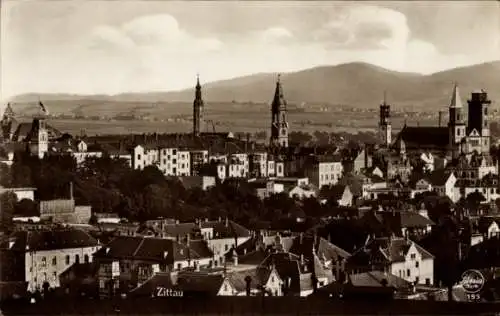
(456, 123)
(478, 124)
(198, 106)
(279, 123)
(385, 128)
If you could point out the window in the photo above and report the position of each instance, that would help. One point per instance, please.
(174, 152)
(174, 161)
(44, 261)
(272, 279)
(86, 258)
(416, 279)
(77, 259)
(101, 284)
(413, 256)
(179, 266)
(485, 111)
(67, 259)
(417, 264)
(138, 156)
(54, 261)
(408, 272)
(427, 281)
(226, 247)
(225, 287)
(54, 275)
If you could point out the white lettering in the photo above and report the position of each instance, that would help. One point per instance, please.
(164, 292)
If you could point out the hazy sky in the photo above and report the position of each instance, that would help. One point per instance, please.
(120, 46)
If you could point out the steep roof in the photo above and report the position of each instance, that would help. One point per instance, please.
(389, 249)
(258, 277)
(424, 137)
(226, 229)
(147, 248)
(376, 279)
(40, 240)
(149, 287)
(199, 282)
(439, 177)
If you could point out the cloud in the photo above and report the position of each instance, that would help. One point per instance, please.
(365, 27)
(100, 48)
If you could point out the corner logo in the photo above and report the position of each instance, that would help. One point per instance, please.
(472, 281)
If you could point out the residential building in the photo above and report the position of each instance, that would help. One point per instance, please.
(127, 261)
(324, 170)
(399, 256)
(46, 254)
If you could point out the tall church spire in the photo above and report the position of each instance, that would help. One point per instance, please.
(279, 123)
(198, 106)
(456, 102)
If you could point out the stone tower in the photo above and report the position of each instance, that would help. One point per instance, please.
(6, 123)
(478, 119)
(456, 123)
(279, 123)
(384, 125)
(39, 135)
(198, 106)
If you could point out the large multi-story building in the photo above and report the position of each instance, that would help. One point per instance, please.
(45, 254)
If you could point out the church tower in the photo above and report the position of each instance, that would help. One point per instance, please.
(198, 106)
(384, 125)
(456, 123)
(39, 135)
(279, 123)
(478, 118)
(6, 123)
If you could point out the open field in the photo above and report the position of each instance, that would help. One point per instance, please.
(237, 121)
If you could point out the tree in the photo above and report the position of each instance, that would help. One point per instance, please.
(27, 208)
(8, 202)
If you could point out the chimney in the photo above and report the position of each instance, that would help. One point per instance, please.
(71, 190)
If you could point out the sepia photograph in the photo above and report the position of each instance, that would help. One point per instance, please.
(249, 157)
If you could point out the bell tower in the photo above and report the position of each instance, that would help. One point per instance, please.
(279, 123)
(39, 135)
(198, 106)
(456, 123)
(384, 125)
(6, 123)
(479, 118)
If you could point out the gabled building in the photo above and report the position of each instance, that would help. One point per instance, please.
(399, 256)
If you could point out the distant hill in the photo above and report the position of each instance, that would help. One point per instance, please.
(357, 85)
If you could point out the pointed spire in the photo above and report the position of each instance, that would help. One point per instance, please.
(198, 87)
(198, 80)
(456, 102)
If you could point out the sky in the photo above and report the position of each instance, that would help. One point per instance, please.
(110, 47)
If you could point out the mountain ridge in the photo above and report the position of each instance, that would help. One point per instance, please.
(356, 84)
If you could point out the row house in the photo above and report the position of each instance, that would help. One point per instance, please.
(171, 161)
(221, 235)
(488, 186)
(474, 167)
(126, 262)
(44, 255)
(324, 170)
